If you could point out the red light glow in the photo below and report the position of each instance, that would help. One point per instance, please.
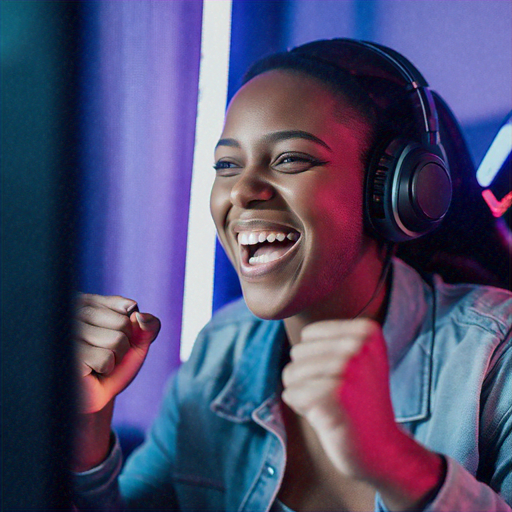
(498, 208)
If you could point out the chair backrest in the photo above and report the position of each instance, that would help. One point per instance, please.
(471, 245)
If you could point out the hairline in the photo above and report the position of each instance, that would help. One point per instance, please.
(344, 112)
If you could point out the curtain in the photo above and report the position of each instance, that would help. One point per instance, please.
(139, 96)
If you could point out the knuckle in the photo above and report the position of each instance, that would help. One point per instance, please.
(285, 396)
(293, 353)
(119, 339)
(86, 312)
(369, 326)
(365, 329)
(309, 331)
(306, 329)
(124, 323)
(124, 301)
(374, 328)
(87, 298)
(285, 376)
(121, 298)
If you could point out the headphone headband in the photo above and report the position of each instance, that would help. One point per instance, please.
(363, 58)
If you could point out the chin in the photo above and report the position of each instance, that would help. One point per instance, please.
(266, 305)
(274, 305)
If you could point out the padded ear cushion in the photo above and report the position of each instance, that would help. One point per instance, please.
(408, 191)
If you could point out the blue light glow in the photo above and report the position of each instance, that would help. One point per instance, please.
(496, 155)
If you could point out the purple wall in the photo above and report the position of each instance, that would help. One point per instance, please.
(140, 129)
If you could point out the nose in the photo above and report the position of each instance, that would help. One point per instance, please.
(251, 187)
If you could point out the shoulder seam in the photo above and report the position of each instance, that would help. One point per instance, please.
(501, 326)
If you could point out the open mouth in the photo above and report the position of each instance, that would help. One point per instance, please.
(260, 247)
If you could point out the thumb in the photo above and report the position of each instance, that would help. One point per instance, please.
(145, 328)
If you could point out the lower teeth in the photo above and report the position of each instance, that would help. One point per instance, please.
(264, 258)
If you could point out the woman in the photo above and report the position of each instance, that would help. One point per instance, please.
(344, 381)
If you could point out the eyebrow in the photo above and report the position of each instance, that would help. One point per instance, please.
(277, 137)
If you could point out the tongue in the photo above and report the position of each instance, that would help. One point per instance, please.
(279, 248)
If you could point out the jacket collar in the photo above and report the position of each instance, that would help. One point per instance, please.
(257, 376)
(408, 331)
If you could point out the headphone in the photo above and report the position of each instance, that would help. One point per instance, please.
(408, 187)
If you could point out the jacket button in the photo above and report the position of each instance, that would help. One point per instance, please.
(270, 470)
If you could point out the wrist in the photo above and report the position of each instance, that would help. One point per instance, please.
(92, 439)
(414, 478)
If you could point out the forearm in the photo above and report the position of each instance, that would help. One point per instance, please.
(461, 491)
(412, 478)
(416, 479)
(92, 439)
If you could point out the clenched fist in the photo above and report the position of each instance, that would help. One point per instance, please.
(112, 341)
(338, 380)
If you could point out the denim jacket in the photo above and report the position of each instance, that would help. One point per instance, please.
(218, 442)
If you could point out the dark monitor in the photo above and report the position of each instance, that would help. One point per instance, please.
(39, 64)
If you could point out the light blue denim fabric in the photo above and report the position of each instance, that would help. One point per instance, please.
(219, 441)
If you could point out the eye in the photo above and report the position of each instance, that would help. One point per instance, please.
(226, 168)
(296, 162)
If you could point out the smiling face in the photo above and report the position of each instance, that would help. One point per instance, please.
(288, 199)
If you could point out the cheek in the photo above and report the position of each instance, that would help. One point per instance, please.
(337, 206)
(336, 237)
(219, 205)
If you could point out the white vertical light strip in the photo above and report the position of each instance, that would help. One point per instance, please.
(213, 86)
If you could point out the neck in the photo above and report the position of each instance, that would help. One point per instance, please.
(368, 299)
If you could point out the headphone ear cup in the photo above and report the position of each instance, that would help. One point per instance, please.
(408, 191)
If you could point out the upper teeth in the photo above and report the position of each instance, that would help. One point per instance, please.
(253, 238)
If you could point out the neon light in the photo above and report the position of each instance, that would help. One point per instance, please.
(213, 86)
(496, 155)
(498, 208)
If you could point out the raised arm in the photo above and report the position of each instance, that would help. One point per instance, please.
(112, 339)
